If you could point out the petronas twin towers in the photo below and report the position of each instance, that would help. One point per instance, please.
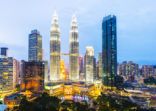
(55, 50)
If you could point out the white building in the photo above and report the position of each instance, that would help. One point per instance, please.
(74, 51)
(89, 64)
(55, 49)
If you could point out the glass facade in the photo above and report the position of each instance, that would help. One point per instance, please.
(109, 49)
(35, 46)
(74, 51)
(55, 49)
(4, 51)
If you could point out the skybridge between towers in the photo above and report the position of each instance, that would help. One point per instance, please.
(65, 54)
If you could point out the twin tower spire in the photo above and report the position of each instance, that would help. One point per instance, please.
(55, 50)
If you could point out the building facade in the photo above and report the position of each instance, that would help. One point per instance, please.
(81, 68)
(95, 74)
(4, 51)
(55, 49)
(109, 49)
(89, 64)
(74, 51)
(32, 76)
(100, 69)
(46, 72)
(148, 71)
(9, 73)
(35, 46)
(129, 70)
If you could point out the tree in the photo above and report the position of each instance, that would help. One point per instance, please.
(119, 80)
(25, 105)
(111, 103)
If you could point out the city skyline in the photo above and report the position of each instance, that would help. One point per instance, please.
(89, 27)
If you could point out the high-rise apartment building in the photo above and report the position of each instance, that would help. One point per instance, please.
(35, 46)
(95, 69)
(55, 49)
(109, 49)
(147, 71)
(74, 51)
(129, 70)
(9, 73)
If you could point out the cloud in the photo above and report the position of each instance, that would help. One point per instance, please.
(136, 24)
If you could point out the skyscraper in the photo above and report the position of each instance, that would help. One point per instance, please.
(100, 71)
(109, 49)
(95, 69)
(9, 73)
(74, 51)
(89, 64)
(33, 76)
(46, 72)
(4, 51)
(35, 46)
(55, 49)
(81, 68)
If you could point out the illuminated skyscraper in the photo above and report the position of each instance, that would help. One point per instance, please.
(46, 72)
(9, 73)
(89, 64)
(35, 46)
(55, 49)
(74, 51)
(33, 76)
(81, 68)
(109, 49)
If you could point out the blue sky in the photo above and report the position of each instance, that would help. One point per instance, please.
(136, 23)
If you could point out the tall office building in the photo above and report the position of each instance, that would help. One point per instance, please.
(109, 49)
(55, 49)
(35, 46)
(89, 64)
(33, 76)
(95, 69)
(9, 73)
(100, 69)
(4, 51)
(74, 51)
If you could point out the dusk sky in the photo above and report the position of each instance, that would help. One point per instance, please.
(136, 25)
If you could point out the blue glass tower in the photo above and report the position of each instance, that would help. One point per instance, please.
(35, 46)
(4, 51)
(109, 50)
